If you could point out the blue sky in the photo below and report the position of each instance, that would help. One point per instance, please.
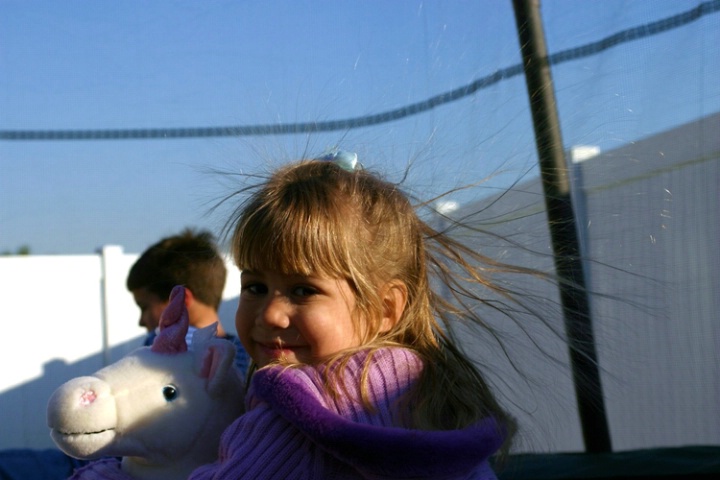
(161, 64)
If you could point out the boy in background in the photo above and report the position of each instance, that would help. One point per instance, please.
(191, 259)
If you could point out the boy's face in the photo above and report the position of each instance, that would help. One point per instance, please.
(151, 307)
(294, 318)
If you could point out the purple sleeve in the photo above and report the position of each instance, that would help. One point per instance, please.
(103, 469)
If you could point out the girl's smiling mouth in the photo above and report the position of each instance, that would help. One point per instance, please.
(279, 350)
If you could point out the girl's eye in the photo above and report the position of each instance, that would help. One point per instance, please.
(255, 288)
(304, 291)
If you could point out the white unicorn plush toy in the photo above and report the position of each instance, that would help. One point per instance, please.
(158, 412)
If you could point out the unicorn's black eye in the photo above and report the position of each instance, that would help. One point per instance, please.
(170, 392)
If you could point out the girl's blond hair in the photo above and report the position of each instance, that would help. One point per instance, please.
(313, 217)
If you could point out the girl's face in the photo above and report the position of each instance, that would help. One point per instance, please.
(296, 318)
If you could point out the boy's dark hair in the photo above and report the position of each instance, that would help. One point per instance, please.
(190, 258)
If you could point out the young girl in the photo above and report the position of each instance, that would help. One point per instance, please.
(355, 375)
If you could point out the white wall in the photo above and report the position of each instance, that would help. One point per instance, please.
(62, 317)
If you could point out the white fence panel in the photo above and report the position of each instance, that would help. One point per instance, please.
(62, 317)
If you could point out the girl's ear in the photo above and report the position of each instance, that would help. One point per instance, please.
(394, 297)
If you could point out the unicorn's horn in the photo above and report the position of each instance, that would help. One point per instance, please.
(174, 322)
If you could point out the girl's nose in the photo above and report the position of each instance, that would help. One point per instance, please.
(275, 312)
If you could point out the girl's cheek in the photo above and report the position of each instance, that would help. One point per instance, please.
(239, 322)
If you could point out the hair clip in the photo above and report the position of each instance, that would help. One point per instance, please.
(345, 160)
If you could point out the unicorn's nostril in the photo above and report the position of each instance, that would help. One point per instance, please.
(87, 397)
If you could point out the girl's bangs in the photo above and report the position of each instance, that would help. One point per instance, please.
(291, 243)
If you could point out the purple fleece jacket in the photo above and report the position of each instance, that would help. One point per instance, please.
(103, 469)
(294, 429)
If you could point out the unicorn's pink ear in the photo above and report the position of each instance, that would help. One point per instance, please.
(174, 323)
(218, 362)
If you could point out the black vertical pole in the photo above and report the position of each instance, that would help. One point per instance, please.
(563, 231)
